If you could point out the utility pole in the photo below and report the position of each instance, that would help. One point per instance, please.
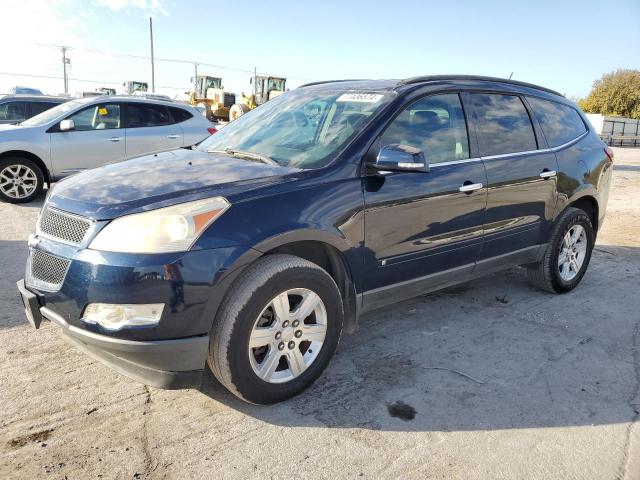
(65, 62)
(195, 76)
(153, 75)
(255, 78)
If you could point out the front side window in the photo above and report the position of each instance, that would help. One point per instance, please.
(97, 117)
(503, 124)
(13, 111)
(560, 123)
(303, 128)
(433, 124)
(146, 115)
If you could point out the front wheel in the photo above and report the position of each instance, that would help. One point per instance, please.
(277, 329)
(567, 255)
(21, 180)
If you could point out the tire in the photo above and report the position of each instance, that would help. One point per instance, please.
(248, 303)
(549, 274)
(237, 110)
(21, 180)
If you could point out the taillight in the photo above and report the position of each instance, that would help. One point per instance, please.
(609, 152)
(212, 130)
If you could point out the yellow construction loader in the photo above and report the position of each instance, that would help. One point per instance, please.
(210, 95)
(131, 86)
(264, 89)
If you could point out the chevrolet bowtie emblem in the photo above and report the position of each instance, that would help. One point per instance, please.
(33, 240)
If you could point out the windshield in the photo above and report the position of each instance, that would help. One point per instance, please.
(49, 115)
(301, 128)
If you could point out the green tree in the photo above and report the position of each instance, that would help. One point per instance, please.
(616, 93)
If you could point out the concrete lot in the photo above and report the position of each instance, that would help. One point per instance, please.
(506, 381)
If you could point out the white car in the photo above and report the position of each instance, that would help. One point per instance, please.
(87, 133)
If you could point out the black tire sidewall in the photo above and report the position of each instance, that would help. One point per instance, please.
(577, 218)
(250, 386)
(6, 162)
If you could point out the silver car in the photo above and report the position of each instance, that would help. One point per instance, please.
(89, 132)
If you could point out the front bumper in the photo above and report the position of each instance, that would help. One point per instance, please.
(170, 364)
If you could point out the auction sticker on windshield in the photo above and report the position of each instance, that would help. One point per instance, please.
(360, 97)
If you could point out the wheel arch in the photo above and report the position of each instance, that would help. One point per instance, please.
(588, 204)
(34, 158)
(326, 251)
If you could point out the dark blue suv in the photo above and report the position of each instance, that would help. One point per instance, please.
(253, 251)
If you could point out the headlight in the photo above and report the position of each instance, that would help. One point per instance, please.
(169, 229)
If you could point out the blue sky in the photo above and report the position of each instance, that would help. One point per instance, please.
(564, 45)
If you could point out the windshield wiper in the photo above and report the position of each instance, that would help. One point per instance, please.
(256, 157)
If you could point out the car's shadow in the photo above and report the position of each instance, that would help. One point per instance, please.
(490, 354)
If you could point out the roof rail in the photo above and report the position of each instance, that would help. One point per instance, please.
(432, 78)
(321, 82)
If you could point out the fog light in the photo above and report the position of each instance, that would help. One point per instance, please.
(115, 317)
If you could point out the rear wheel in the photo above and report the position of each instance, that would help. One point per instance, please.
(567, 255)
(277, 330)
(21, 180)
(237, 110)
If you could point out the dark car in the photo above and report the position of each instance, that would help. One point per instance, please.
(254, 251)
(18, 108)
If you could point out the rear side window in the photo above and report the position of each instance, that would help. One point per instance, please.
(179, 114)
(503, 124)
(560, 123)
(13, 111)
(146, 115)
(433, 124)
(36, 108)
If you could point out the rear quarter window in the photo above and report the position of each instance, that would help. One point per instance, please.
(560, 123)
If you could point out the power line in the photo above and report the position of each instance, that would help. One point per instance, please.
(52, 77)
(170, 60)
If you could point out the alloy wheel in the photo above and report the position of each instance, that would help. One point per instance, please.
(18, 181)
(287, 335)
(572, 252)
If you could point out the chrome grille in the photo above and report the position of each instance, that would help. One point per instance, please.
(48, 268)
(63, 226)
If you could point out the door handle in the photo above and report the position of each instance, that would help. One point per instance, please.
(173, 136)
(470, 187)
(114, 139)
(547, 174)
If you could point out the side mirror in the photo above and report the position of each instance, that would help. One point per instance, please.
(400, 158)
(67, 125)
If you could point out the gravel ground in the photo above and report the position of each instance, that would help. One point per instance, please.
(490, 379)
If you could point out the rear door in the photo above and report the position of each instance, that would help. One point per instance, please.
(150, 129)
(521, 174)
(421, 230)
(96, 139)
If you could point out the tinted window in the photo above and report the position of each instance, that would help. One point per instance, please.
(97, 117)
(434, 125)
(38, 107)
(560, 123)
(146, 115)
(503, 124)
(179, 115)
(13, 111)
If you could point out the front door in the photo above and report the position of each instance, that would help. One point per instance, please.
(97, 139)
(424, 230)
(521, 176)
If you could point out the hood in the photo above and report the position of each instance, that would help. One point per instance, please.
(159, 180)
